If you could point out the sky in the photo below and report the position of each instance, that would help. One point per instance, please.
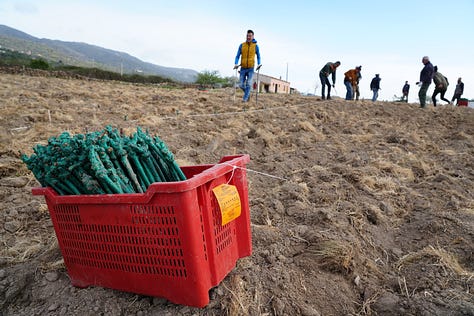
(296, 38)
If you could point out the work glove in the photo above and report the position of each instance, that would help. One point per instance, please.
(333, 85)
(258, 67)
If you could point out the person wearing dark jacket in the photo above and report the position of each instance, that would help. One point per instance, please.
(405, 91)
(328, 69)
(375, 87)
(441, 86)
(458, 92)
(426, 76)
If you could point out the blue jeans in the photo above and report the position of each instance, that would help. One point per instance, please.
(246, 75)
(349, 94)
(376, 94)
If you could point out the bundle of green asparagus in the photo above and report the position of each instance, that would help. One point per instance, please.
(104, 162)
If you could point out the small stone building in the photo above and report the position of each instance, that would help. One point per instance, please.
(270, 84)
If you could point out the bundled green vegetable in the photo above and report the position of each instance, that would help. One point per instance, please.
(103, 163)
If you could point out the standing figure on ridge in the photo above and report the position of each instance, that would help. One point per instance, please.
(426, 76)
(247, 50)
(458, 91)
(375, 87)
(405, 91)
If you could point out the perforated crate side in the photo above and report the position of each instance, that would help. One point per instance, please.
(226, 244)
(148, 249)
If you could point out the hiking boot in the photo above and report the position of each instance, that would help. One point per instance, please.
(329, 98)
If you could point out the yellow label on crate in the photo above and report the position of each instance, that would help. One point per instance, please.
(229, 202)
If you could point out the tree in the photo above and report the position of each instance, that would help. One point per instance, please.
(39, 64)
(208, 77)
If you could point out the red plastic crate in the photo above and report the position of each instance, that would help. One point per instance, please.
(463, 102)
(166, 242)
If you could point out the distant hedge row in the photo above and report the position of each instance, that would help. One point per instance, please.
(110, 75)
(12, 58)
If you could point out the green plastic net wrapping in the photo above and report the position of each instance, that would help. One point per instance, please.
(103, 162)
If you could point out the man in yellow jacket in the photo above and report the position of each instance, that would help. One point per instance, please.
(246, 53)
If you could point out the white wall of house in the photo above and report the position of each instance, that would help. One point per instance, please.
(270, 84)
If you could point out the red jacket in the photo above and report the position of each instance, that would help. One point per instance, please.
(351, 75)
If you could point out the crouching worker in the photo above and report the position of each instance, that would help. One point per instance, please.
(350, 80)
(328, 69)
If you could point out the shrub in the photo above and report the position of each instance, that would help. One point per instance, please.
(39, 64)
(211, 78)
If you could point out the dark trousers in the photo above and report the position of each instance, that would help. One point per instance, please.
(405, 97)
(324, 83)
(422, 94)
(442, 91)
(456, 97)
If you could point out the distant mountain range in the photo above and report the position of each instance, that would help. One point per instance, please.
(86, 55)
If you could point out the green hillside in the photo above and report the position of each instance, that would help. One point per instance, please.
(87, 56)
